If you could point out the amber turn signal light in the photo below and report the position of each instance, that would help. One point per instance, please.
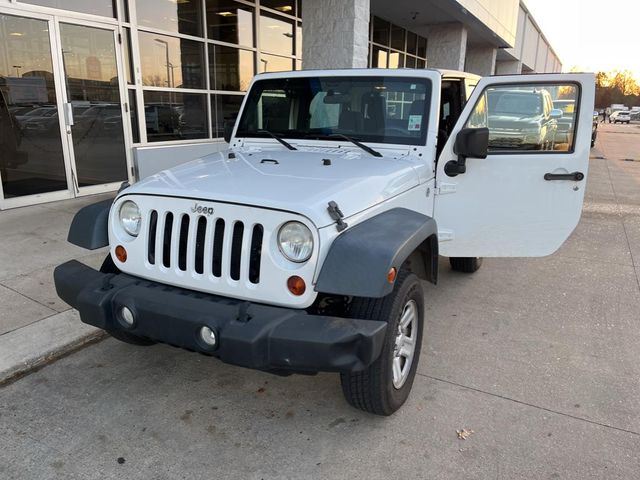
(296, 285)
(391, 275)
(121, 253)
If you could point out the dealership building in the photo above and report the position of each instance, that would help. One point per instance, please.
(97, 92)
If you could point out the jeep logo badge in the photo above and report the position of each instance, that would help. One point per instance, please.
(201, 209)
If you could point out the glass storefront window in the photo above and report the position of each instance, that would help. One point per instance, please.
(422, 47)
(230, 22)
(175, 116)
(380, 31)
(179, 16)
(104, 8)
(230, 68)
(91, 80)
(283, 6)
(276, 34)
(396, 60)
(31, 158)
(171, 62)
(224, 108)
(397, 37)
(412, 43)
(379, 57)
(299, 39)
(273, 63)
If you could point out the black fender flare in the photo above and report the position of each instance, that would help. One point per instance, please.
(89, 228)
(360, 258)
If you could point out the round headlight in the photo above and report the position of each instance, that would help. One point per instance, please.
(295, 242)
(130, 218)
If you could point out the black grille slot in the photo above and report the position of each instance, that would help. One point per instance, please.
(255, 254)
(236, 250)
(201, 231)
(166, 243)
(182, 244)
(151, 246)
(218, 237)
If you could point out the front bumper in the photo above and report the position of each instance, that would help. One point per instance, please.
(250, 335)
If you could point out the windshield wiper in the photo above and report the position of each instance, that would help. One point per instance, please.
(367, 149)
(275, 137)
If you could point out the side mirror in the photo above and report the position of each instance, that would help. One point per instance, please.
(228, 129)
(556, 114)
(470, 142)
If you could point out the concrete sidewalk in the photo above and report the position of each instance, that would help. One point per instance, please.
(35, 325)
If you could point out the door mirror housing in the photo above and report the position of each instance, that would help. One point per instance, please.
(228, 129)
(470, 142)
(556, 114)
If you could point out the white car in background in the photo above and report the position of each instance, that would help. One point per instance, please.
(620, 117)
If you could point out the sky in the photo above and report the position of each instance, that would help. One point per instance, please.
(592, 35)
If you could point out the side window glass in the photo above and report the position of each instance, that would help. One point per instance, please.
(527, 118)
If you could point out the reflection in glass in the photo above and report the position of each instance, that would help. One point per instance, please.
(231, 22)
(171, 62)
(224, 108)
(179, 16)
(230, 68)
(91, 76)
(276, 34)
(283, 6)
(104, 8)
(31, 158)
(527, 117)
(175, 116)
(379, 57)
(133, 114)
(396, 60)
(273, 63)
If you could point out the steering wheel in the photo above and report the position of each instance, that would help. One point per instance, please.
(396, 131)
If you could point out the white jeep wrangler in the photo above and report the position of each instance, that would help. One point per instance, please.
(302, 247)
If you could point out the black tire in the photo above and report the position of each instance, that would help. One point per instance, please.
(373, 390)
(465, 264)
(108, 266)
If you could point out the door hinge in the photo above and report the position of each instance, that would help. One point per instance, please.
(445, 235)
(120, 38)
(443, 188)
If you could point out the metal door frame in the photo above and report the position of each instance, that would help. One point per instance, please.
(53, 25)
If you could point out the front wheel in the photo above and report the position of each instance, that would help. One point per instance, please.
(383, 388)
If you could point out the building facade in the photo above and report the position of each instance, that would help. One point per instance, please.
(97, 92)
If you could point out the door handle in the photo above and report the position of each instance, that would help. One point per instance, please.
(575, 176)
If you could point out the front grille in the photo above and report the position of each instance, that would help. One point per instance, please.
(506, 142)
(205, 245)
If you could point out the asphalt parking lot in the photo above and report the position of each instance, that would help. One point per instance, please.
(538, 357)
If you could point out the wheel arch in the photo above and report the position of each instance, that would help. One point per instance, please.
(360, 258)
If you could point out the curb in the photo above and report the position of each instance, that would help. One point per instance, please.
(36, 345)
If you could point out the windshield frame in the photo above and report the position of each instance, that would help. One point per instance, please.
(270, 81)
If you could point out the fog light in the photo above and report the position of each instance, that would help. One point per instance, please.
(127, 316)
(208, 337)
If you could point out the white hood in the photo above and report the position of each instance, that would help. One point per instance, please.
(299, 182)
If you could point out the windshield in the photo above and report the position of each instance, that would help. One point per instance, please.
(368, 109)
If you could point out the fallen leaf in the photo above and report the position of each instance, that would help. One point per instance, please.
(463, 434)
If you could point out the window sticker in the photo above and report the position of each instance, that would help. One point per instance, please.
(415, 123)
